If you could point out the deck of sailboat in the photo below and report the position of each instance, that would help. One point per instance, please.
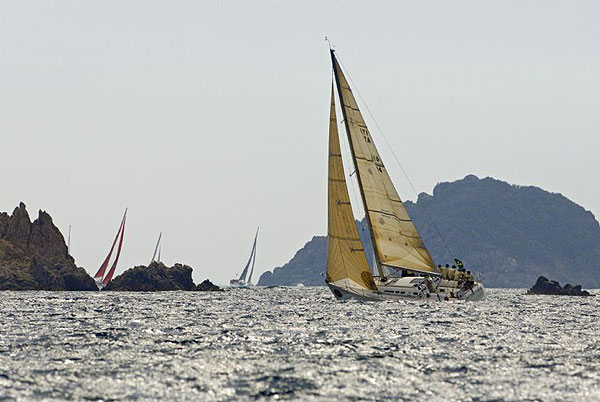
(406, 288)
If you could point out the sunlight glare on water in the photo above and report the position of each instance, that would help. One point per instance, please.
(296, 343)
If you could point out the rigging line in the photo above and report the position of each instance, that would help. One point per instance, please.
(397, 160)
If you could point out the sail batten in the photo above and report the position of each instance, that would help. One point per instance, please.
(346, 260)
(395, 239)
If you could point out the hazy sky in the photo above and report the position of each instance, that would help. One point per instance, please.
(207, 119)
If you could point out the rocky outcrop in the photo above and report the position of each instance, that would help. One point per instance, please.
(34, 256)
(154, 277)
(544, 286)
(158, 277)
(208, 286)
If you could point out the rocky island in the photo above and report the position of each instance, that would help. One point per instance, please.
(544, 286)
(511, 234)
(158, 277)
(34, 256)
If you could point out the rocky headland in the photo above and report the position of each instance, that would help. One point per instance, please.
(510, 234)
(34, 256)
(158, 277)
(544, 286)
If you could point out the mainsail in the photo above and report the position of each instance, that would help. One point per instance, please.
(100, 277)
(396, 240)
(252, 260)
(345, 255)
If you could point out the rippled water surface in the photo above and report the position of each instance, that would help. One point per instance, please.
(296, 343)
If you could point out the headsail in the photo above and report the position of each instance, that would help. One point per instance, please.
(346, 258)
(252, 253)
(396, 240)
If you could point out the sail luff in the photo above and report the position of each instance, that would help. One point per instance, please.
(346, 261)
(376, 261)
(111, 272)
(395, 238)
(102, 269)
(253, 256)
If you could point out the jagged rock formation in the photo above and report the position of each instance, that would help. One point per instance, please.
(34, 256)
(208, 286)
(544, 286)
(158, 277)
(511, 234)
(154, 277)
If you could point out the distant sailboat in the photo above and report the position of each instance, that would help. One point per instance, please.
(241, 281)
(404, 268)
(101, 279)
(157, 249)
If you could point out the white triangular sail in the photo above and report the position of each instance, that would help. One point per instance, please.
(346, 261)
(156, 250)
(250, 261)
(396, 240)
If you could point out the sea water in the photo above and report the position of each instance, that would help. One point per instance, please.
(296, 344)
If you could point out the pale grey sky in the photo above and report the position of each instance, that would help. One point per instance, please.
(207, 119)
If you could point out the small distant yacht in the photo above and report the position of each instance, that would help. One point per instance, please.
(403, 268)
(101, 279)
(241, 282)
(157, 250)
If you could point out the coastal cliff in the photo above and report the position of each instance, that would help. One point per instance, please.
(34, 256)
(511, 234)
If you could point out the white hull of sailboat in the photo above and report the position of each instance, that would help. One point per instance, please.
(99, 284)
(403, 289)
(477, 293)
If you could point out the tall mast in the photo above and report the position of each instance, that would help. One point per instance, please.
(362, 194)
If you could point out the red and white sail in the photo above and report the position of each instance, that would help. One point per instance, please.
(111, 261)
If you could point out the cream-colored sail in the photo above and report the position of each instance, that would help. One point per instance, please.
(396, 239)
(345, 256)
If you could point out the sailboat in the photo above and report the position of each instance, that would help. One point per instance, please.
(157, 249)
(241, 281)
(403, 268)
(101, 279)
